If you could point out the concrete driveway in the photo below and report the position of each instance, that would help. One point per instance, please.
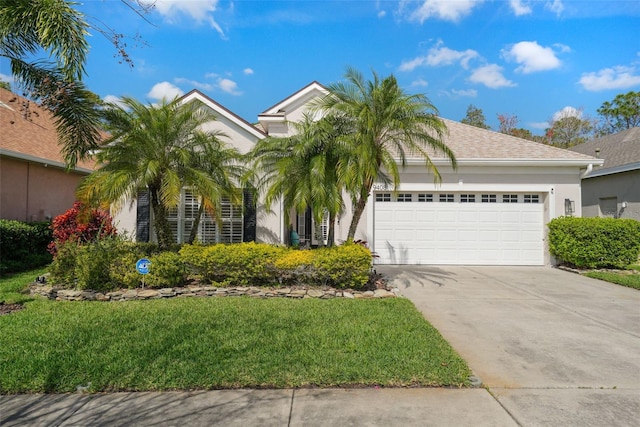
(552, 347)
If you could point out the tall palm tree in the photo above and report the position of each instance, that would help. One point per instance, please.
(387, 124)
(27, 28)
(306, 170)
(163, 149)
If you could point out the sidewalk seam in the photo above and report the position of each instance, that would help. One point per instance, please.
(293, 393)
(504, 407)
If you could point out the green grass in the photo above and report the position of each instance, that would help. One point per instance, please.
(11, 287)
(211, 343)
(629, 280)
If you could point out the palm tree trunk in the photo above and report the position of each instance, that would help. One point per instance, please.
(358, 209)
(160, 220)
(196, 223)
(331, 236)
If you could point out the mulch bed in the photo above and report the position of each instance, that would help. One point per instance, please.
(9, 308)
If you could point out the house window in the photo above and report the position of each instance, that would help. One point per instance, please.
(182, 218)
(531, 198)
(446, 198)
(383, 197)
(509, 198)
(467, 198)
(488, 198)
(405, 197)
(425, 198)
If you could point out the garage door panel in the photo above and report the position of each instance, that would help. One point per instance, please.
(459, 233)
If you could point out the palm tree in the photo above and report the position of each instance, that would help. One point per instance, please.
(387, 124)
(162, 149)
(306, 170)
(27, 28)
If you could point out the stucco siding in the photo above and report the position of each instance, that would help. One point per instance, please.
(624, 186)
(32, 192)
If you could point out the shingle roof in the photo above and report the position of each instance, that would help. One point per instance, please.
(618, 149)
(28, 131)
(470, 142)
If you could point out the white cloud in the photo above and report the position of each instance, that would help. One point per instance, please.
(538, 125)
(115, 100)
(490, 76)
(164, 90)
(194, 83)
(200, 11)
(446, 10)
(470, 93)
(532, 57)
(248, 71)
(519, 8)
(229, 86)
(555, 6)
(441, 55)
(567, 111)
(618, 77)
(382, 14)
(419, 83)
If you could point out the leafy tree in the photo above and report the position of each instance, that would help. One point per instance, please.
(161, 149)
(508, 125)
(307, 169)
(5, 85)
(385, 124)
(620, 114)
(569, 129)
(475, 117)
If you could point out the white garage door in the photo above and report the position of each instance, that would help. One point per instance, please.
(474, 229)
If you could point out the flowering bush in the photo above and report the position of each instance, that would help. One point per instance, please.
(80, 224)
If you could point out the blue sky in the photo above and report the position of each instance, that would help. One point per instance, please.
(530, 58)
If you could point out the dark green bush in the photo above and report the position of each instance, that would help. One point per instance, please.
(595, 242)
(23, 246)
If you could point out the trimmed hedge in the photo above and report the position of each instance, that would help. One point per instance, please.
(595, 242)
(109, 264)
(23, 246)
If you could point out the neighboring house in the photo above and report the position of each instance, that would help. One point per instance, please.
(34, 182)
(492, 211)
(613, 190)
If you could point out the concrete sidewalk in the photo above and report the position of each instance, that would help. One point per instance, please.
(312, 407)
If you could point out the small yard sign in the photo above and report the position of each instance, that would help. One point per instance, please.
(143, 265)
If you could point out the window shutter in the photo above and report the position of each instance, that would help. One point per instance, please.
(249, 223)
(143, 216)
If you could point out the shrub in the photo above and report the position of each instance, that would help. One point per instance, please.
(63, 268)
(296, 267)
(167, 271)
(23, 246)
(93, 262)
(345, 266)
(80, 224)
(595, 242)
(241, 263)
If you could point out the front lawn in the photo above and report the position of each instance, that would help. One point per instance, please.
(210, 343)
(619, 277)
(11, 287)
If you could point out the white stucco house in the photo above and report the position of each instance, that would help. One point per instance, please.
(492, 210)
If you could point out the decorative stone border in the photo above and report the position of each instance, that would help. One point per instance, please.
(55, 293)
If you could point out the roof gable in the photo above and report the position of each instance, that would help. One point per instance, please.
(29, 132)
(222, 111)
(295, 100)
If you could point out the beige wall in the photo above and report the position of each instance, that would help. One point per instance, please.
(33, 192)
(624, 186)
